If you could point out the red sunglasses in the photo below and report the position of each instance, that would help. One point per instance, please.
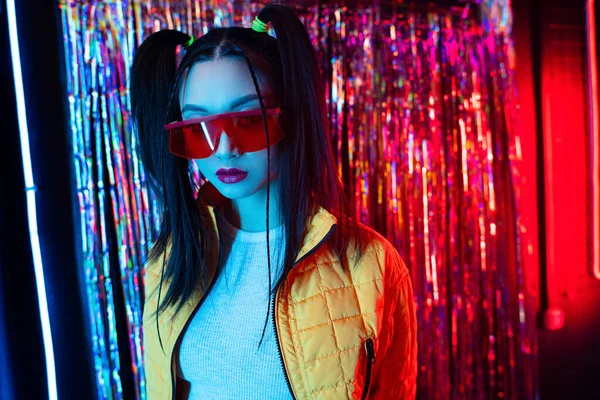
(199, 137)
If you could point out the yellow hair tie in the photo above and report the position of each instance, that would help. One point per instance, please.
(259, 26)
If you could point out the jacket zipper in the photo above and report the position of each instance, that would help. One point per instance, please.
(314, 249)
(370, 361)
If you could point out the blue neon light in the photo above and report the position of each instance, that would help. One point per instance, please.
(31, 209)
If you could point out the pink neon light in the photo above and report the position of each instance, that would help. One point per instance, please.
(594, 139)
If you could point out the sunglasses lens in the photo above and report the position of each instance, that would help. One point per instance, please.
(251, 137)
(177, 142)
(199, 140)
(249, 122)
(189, 141)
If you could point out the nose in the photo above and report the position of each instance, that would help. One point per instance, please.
(225, 148)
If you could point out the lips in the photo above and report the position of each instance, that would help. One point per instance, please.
(230, 171)
(231, 175)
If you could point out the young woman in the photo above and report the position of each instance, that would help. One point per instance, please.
(259, 286)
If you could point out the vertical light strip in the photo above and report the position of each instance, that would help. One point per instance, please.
(594, 139)
(30, 193)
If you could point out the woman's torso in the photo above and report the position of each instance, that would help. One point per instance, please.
(325, 314)
(219, 353)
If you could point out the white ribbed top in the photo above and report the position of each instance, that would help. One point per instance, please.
(219, 352)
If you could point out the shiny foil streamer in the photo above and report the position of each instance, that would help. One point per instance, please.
(422, 107)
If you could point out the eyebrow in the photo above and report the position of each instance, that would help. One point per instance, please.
(233, 105)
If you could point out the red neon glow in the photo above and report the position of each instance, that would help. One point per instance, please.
(594, 139)
(554, 319)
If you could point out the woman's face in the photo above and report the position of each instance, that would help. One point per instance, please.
(221, 86)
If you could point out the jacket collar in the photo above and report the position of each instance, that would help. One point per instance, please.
(317, 228)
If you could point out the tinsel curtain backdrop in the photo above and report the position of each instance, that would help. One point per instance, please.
(422, 107)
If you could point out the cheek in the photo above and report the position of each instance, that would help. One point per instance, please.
(203, 166)
(275, 154)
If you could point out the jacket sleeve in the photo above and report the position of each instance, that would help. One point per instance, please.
(395, 368)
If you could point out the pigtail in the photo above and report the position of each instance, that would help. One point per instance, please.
(306, 116)
(298, 60)
(152, 86)
(152, 77)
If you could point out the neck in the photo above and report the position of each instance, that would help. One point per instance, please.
(250, 213)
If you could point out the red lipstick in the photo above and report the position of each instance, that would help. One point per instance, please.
(231, 175)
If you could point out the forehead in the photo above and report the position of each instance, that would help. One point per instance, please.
(215, 84)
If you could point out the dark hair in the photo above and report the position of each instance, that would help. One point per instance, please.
(308, 174)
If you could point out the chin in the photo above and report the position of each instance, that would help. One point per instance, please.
(235, 191)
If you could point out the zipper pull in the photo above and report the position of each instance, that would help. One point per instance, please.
(370, 350)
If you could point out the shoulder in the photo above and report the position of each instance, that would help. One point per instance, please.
(154, 269)
(378, 255)
(153, 266)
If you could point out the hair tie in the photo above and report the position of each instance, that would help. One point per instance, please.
(259, 26)
(189, 42)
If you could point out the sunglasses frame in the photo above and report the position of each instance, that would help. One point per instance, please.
(248, 113)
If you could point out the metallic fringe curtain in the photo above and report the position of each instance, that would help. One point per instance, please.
(422, 107)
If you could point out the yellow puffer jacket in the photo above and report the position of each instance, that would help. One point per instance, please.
(341, 334)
